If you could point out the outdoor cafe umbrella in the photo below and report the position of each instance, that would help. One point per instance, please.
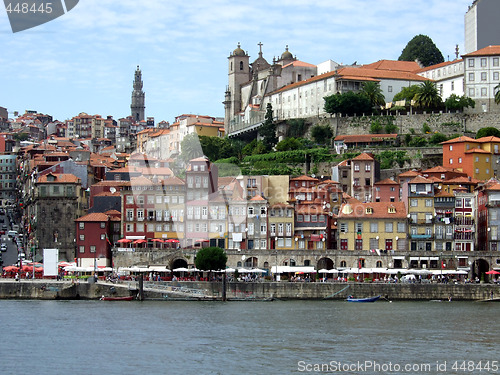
(11, 269)
(493, 272)
(124, 240)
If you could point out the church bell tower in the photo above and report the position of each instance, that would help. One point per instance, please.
(138, 97)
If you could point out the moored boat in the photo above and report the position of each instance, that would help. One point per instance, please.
(129, 298)
(369, 299)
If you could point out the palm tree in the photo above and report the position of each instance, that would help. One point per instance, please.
(497, 94)
(374, 93)
(428, 96)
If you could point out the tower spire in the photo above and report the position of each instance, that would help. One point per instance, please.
(137, 105)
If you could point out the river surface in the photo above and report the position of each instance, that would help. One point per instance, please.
(280, 337)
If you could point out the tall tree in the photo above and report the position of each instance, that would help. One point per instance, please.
(497, 94)
(191, 147)
(423, 49)
(211, 259)
(406, 93)
(374, 93)
(268, 129)
(427, 96)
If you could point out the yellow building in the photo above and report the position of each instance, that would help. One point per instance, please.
(372, 227)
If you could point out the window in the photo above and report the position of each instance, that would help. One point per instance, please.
(389, 88)
(344, 228)
(81, 225)
(428, 203)
(451, 161)
(471, 63)
(484, 76)
(413, 203)
(368, 167)
(358, 244)
(82, 237)
(459, 160)
(82, 249)
(401, 227)
(103, 225)
(130, 199)
(356, 167)
(373, 227)
(241, 65)
(103, 236)
(359, 227)
(92, 249)
(373, 243)
(451, 147)
(495, 61)
(472, 92)
(388, 227)
(471, 77)
(343, 245)
(484, 91)
(483, 62)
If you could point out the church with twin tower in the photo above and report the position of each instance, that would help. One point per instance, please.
(137, 106)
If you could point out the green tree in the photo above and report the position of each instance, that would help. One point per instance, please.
(437, 138)
(322, 134)
(211, 259)
(426, 128)
(423, 49)
(497, 94)
(191, 147)
(289, 144)
(376, 127)
(391, 128)
(455, 102)
(296, 127)
(268, 129)
(487, 132)
(406, 93)
(374, 94)
(428, 96)
(418, 142)
(348, 103)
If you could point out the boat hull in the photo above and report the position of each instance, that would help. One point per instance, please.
(130, 298)
(370, 299)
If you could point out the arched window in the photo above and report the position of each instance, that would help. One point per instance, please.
(343, 263)
(238, 264)
(379, 264)
(231, 67)
(241, 65)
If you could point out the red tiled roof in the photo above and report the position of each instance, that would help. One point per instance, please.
(460, 139)
(436, 66)
(97, 216)
(364, 156)
(387, 181)
(299, 63)
(420, 180)
(477, 151)
(409, 174)
(380, 210)
(304, 178)
(486, 51)
(402, 66)
(461, 181)
(488, 139)
(59, 178)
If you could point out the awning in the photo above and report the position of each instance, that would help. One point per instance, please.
(434, 258)
(400, 257)
(135, 237)
(414, 258)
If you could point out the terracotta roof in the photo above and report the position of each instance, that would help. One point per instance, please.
(461, 181)
(409, 174)
(364, 156)
(488, 139)
(444, 193)
(59, 178)
(257, 198)
(299, 63)
(173, 181)
(113, 212)
(97, 216)
(486, 51)
(281, 205)
(107, 194)
(434, 179)
(439, 169)
(357, 210)
(477, 151)
(304, 178)
(460, 139)
(402, 66)
(437, 66)
(420, 180)
(387, 181)
(495, 186)
(380, 74)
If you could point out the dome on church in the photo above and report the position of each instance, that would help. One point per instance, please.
(238, 51)
(286, 55)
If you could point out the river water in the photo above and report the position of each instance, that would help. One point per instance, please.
(280, 337)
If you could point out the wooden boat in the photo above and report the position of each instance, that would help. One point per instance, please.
(369, 299)
(129, 298)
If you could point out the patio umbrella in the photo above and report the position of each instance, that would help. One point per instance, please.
(124, 240)
(140, 241)
(157, 240)
(172, 241)
(11, 269)
(492, 272)
(181, 269)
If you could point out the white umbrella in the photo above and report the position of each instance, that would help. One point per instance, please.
(323, 270)
(257, 270)
(229, 270)
(181, 269)
(243, 270)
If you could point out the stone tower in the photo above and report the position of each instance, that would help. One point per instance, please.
(138, 97)
(239, 73)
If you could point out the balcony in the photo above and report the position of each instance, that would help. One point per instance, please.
(421, 236)
(464, 236)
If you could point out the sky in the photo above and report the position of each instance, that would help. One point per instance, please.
(84, 61)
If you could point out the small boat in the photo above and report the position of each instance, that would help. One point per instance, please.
(129, 298)
(369, 299)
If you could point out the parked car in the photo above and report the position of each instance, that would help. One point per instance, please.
(2, 232)
(3, 247)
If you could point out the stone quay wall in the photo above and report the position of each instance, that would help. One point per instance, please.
(284, 290)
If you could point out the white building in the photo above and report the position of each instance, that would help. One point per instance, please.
(449, 77)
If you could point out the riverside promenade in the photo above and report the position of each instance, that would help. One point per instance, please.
(53, 290)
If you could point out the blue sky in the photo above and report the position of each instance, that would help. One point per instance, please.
(85, 61)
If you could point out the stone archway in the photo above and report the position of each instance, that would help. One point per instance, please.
(479, 269)
(179, 263)
(251, 262)
(325, 263)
